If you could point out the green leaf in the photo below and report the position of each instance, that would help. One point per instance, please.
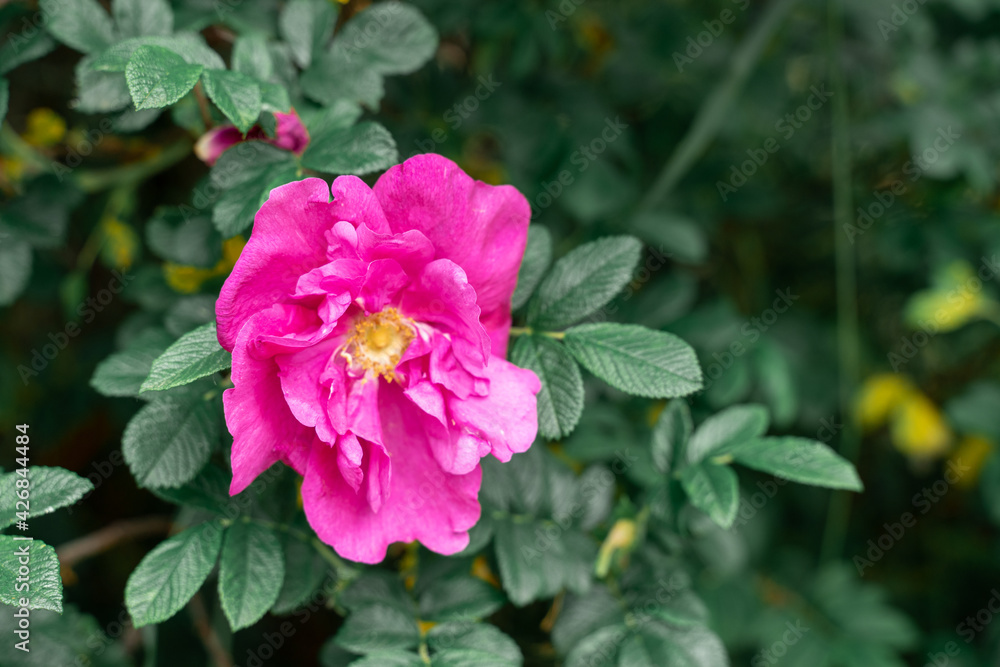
(123, 373)
(81, 24)
(798, 460)
(598, 649)
(560, 402)
(385, 659)
(378, 626)
(675, 235)
(339, 116)
(15, 268)
(378, 586)
(777, 381)
(245, 175)
(584, 615)
(100, 92)
(19, 50)
(181, 238)
(172, 573)
(714, 489)
(388, 38)
(67, 639)
(583, 281)
(50, 489)
(659, 644)
(41, 215)
(237, 96)
(137, 18)
(730, 427)
(45, 589)
(158, 77)
(170, 440)
(535, 565)
(670, 434)
(274, 97)
(251, 570)
(333, 77)
(188, 45)
(4, 98)
(130, 120)
(636, 360)
(307, 26)
(472, 645)
(536, 261)
(252, 58)
(209, 490)
(305, 571)
(194, 355)
(361, 149)
(463, 598)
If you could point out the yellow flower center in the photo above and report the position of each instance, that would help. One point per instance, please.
(378, 343)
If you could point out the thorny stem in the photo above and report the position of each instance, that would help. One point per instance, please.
(206, 114)
(208, 636)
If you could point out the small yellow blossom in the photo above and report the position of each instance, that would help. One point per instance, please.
(45, 128)
(919, 429)
(880, 395)
(955, 299)
(972, 451)
(186, 279)
(121, 243)
(189, 279)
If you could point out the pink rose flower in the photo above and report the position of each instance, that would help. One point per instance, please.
(369, 336)
(289, 134)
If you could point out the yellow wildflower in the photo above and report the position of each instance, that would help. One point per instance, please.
(955, 299)
(186, 279)
(919, 429)
(972, 451)
(880, 395)
(45, 128)
(189, 279)
(121, 243)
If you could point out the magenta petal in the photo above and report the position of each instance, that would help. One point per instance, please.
(349, 458)
(213, 144)
(411, 249)
(507, 418)
(443, 296)
(300, 375)
(355, 202)
(423, 503)
(288, 240)
(260, 421)
(482, 228)
(382, 284)
(290, 134)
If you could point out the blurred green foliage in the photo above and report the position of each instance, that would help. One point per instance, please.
(704, 129)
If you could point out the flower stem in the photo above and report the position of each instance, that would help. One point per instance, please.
(101, 179)
(528, 331)
(716, 109)
(847, 308)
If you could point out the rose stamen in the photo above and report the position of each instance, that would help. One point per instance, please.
(378, 343)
